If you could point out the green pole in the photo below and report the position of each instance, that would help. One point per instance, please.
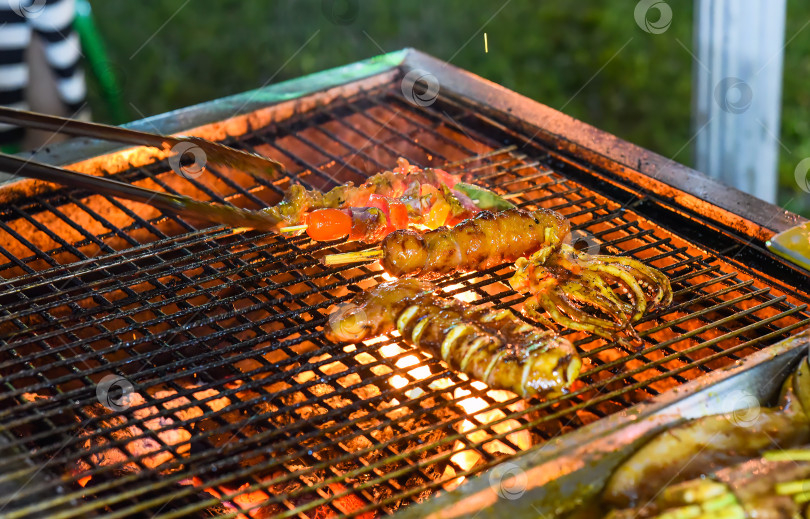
(97, 61)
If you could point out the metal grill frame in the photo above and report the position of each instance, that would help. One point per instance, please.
(663, 185)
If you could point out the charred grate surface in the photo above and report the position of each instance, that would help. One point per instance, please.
(236, 405)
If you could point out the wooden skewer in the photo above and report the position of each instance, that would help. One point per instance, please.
(294, 228)
(353, 257)
(788, 455)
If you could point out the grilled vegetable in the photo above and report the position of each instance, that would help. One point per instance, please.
(356, 223)
(406, 196)
(707, 444)
(405, 178)
(432, 210)
(492, 346)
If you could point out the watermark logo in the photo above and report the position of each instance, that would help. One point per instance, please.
(348, 322)
(27, 8)
(802, 180)
(743, 408)
(583, 242)
(428, 89)
(651, 23)
(187, 160)
(340, 12)
(113, 392)
(508, 480)
(733, 95)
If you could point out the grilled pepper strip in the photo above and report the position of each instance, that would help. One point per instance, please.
(492, 346)
(356, 223)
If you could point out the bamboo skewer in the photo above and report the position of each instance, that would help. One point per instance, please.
(353, 257)
(294, 228)
(788, 455)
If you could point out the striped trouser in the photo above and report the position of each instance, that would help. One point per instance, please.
(52, 22)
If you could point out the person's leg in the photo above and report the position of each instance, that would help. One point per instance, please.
(57, 84)
(15, 36)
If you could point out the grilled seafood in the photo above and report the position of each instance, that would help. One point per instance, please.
(484, 241)
(576, 289)
(567, 284)
(755, 488)
(492, 346)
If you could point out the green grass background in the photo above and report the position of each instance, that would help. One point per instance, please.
(174, 53)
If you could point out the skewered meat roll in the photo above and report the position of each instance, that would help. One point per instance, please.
(492, 346)
(481, 242)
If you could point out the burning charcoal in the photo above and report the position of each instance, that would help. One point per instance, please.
(153, 440)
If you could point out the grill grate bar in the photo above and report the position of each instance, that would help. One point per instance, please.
(118, 284)
(647, 350)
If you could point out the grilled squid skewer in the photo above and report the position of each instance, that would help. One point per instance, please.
(492, 346)
(481, 242)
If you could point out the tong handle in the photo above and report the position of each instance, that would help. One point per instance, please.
(256, 165)
(73, 127)
(178, 204)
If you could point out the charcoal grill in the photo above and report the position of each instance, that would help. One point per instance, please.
(237, 405)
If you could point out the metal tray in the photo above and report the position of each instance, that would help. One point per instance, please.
(566, 472)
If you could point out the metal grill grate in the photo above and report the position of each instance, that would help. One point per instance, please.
(240, 406)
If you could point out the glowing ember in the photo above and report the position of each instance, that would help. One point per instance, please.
(381, 338)
(398, 381)
(463, 457)
(410, 360)
(420, 373)
(475, 406)
(389, 350)
(466, 297)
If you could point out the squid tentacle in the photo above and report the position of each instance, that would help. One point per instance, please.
(531, 308)
(598, 283)
(596, 293)
(631, 282)
(570, 317)
(659, 279)
(584, 295)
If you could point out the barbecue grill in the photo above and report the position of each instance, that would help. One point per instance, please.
(156, 366)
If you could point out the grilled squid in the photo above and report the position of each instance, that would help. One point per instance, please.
(600, 294)
(492, 346)
(484, 241)
(753, 459)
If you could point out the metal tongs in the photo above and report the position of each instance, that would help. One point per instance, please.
(255, 165)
